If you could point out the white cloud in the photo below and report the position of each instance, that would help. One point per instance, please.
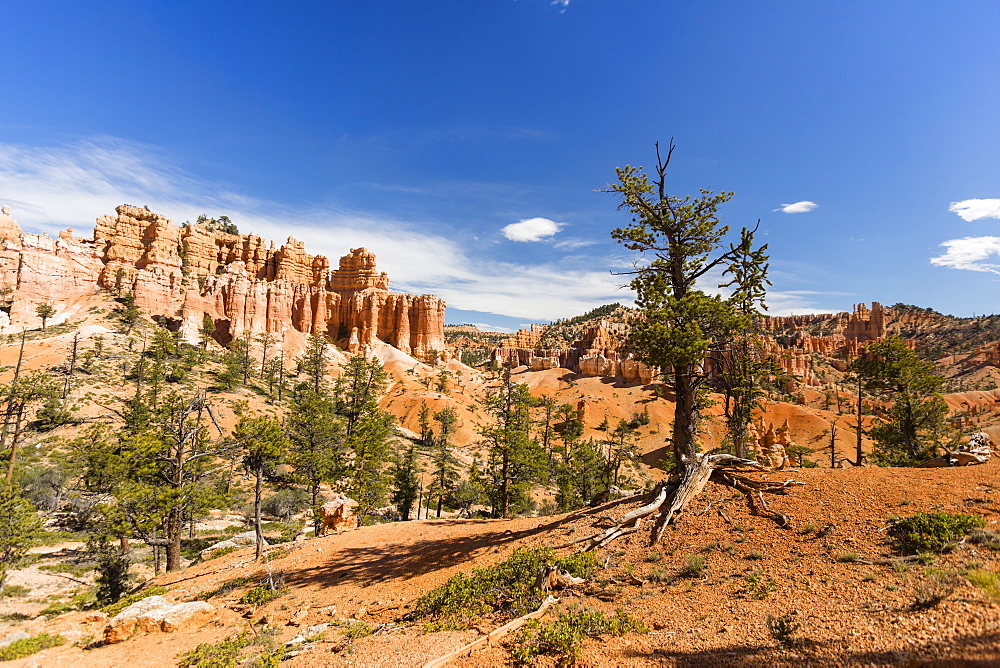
(531, 229)
(969, 253)
(486, 327)
(562, 4)
(976, 209)
(51, 188)
(804, 206)
(573, 244)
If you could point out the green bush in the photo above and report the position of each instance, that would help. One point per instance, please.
(262, 594)
(224, 654)
(222, 552)
(14, 591)
(231, 652)
(988, 581)
(353, 629)
(693, 567)
(564, 637)
(224, 588)
(932, 532)
(758, 587)
(125, 601)
(28, 646)
(509, 588)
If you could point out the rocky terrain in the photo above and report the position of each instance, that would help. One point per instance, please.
(708, 592)
(825, 573)
(241, 283)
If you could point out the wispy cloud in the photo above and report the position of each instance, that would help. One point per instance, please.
(969, 253)
(531, 229)
(804, 206)
(51, 188)
(976, 209)
(485, 327)
(562, 4)
(573, 244)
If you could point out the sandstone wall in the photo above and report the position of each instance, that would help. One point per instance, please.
(243, 283)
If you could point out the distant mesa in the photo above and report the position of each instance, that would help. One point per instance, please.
(241, 281)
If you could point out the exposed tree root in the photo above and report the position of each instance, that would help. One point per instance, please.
(628, 524)
(670, 498)
(493, 636)
(755, 489)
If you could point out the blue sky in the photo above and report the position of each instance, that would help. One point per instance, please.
(424, 130)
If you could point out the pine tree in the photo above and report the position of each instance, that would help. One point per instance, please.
(516, 460)
(444, 465)
(682, 324)
(367, 428)
(263, 443)
(317, 452)
(313, 362)
(45, 311)
(19, 524)
(893, 372)
(406, 481)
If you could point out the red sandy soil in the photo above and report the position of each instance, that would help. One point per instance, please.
(850, 613)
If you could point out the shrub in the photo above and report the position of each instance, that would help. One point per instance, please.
(932, 532)
(112, 574)
(284, 503)
(268, 590)
(354, 629)
(990, 539)
(782, 628)
(15, 591)
(224, 588)
(222, 552)
(757, 587)
(564, 637)
(230, 652)
(28, 646)
(933, 591)
(509, 588)
(693, 567)
(224, 654)
(125, 601)
(988, 581)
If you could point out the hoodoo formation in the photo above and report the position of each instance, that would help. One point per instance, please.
(791, 341)
(240, 281)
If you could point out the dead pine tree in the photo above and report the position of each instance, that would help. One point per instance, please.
(684, 330)
(833, 445)
(72, 364)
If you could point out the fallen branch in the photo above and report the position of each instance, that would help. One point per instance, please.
(494, 635)
(60, 575)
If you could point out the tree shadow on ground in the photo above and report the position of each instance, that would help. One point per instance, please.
(964, 650)
(385, 561)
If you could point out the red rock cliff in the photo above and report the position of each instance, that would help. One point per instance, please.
(240, 281)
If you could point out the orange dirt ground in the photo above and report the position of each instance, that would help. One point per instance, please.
(850, 613)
